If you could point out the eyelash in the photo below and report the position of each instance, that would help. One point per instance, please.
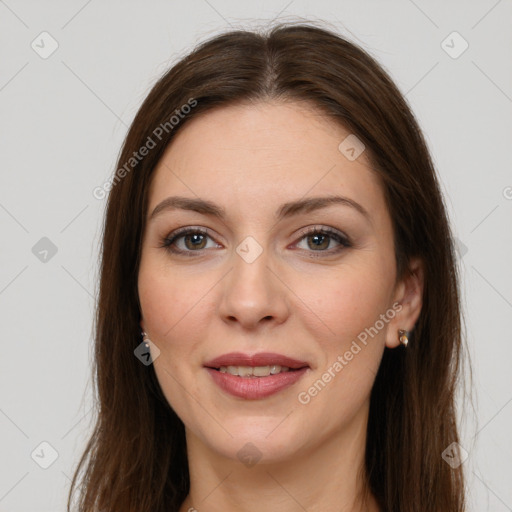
(342, 239)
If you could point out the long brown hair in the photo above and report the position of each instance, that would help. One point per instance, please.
(136, 457)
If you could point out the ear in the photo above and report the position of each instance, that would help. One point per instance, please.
(409, 294)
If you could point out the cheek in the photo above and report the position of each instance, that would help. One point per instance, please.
(168, 300)
(349, 302)
(346, 301)
(170, 305)
(342, 383)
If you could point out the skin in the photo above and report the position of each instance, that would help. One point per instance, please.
(250, 159)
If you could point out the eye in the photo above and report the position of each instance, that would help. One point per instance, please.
(190, 240)
(321, 240)
(187, 240)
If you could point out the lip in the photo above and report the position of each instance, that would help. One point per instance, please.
(260, 359)
(255, 388)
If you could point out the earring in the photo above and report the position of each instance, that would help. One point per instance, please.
(402, 337)
(143, 334)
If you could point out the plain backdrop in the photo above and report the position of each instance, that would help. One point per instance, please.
(63, 119)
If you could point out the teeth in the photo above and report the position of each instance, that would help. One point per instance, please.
(261, 371)
(275, 369)
(254, 371)
(245, 371)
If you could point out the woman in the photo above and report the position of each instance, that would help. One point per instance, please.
(278, 324)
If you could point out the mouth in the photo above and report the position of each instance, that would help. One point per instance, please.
(255, 371)
(255, 365)
(255, 376)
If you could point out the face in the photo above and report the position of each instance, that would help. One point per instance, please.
(259, 273)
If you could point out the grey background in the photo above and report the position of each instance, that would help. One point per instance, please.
(62, 123)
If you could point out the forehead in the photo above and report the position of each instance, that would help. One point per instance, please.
(263, 153)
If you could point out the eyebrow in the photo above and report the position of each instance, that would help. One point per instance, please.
(285, 210)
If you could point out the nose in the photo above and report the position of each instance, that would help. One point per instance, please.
(253, 294)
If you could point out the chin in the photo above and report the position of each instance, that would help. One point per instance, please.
(259, 439)
(250, 451)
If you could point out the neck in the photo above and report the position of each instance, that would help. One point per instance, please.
(326, 477)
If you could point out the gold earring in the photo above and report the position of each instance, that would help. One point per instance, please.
(402, 337)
